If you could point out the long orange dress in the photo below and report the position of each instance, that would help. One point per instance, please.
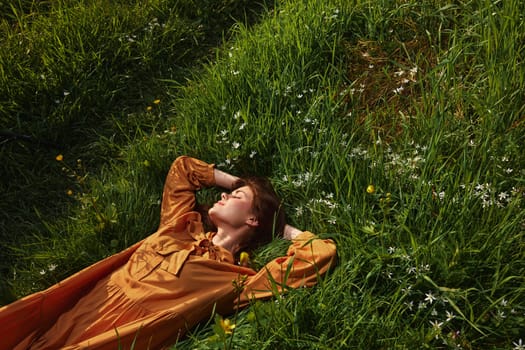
(153, 292)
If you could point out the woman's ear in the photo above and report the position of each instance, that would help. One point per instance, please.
(252, 222)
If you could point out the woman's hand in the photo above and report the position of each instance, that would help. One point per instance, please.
(223, 179)
(291, 232)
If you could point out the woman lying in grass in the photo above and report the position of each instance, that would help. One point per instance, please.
(150, 294)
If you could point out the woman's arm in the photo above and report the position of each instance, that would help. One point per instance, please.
(223, 179)
(291, 232)
(308, 257)
(185, 176)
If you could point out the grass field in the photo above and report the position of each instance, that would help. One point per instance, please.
(396, 128)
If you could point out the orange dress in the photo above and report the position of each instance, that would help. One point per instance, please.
(153, 292)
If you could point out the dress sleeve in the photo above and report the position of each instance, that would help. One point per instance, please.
(308, 258)
(186, 176)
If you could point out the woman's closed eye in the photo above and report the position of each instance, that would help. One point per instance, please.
(236, 194)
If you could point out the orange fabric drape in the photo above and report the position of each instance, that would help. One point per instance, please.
(153, 292)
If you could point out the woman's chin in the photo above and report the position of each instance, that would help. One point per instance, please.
(212, 215)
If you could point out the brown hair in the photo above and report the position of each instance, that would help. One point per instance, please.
(267, 207)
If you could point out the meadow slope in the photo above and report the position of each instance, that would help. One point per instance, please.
(395, 128)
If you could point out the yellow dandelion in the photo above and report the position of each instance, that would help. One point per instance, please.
(370, 189)
(244, 259)
(149, 108)
(157, 101)
(227, 326)
(59, 158)
(69, 192)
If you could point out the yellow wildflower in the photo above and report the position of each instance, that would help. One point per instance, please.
(244, 259)
(227, 326)
(59, 158)
(370, 189)
(149, 108)
(157, 101)
(69, 192)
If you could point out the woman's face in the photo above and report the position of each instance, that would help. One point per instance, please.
(234, 209)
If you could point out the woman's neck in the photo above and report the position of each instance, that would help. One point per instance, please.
(229, 238)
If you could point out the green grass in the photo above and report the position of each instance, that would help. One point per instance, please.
(78, 78)
(421, 99)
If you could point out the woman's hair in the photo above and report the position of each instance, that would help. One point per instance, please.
(267, 207)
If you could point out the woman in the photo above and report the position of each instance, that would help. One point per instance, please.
(152, 293)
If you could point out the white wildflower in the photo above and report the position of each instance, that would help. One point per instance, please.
(503, 196)
(518, 345)
(430, 297)
(398, 90)
(406, 257)
(399, 73)
(450, 316)
(424, 268)
(436, 325)
(407, 290)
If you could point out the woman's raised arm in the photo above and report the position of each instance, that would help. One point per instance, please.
(185, 176)
(291, 232)
(223, 179)
(307, 259)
